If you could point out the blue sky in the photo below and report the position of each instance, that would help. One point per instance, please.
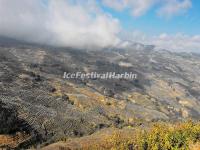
(150, 23)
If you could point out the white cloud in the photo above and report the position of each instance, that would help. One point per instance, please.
(174, 42)
(62, 23)
(174, 7)
(116, 4)
(178, 42)
(140, 7)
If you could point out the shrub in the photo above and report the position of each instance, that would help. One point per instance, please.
(160, 136)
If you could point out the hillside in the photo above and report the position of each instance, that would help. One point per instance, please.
(46, 108)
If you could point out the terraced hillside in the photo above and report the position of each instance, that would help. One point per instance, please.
(48, 108)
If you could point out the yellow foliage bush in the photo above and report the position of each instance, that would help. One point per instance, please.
(160, 136)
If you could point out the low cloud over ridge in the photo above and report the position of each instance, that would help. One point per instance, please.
(62, 23)
(178, 42)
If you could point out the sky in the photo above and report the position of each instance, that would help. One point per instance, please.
(167, 24)
(155, 20)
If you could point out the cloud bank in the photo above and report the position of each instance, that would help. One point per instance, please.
(63, 23)
(178, 42)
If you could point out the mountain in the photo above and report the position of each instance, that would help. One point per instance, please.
(43, 107)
